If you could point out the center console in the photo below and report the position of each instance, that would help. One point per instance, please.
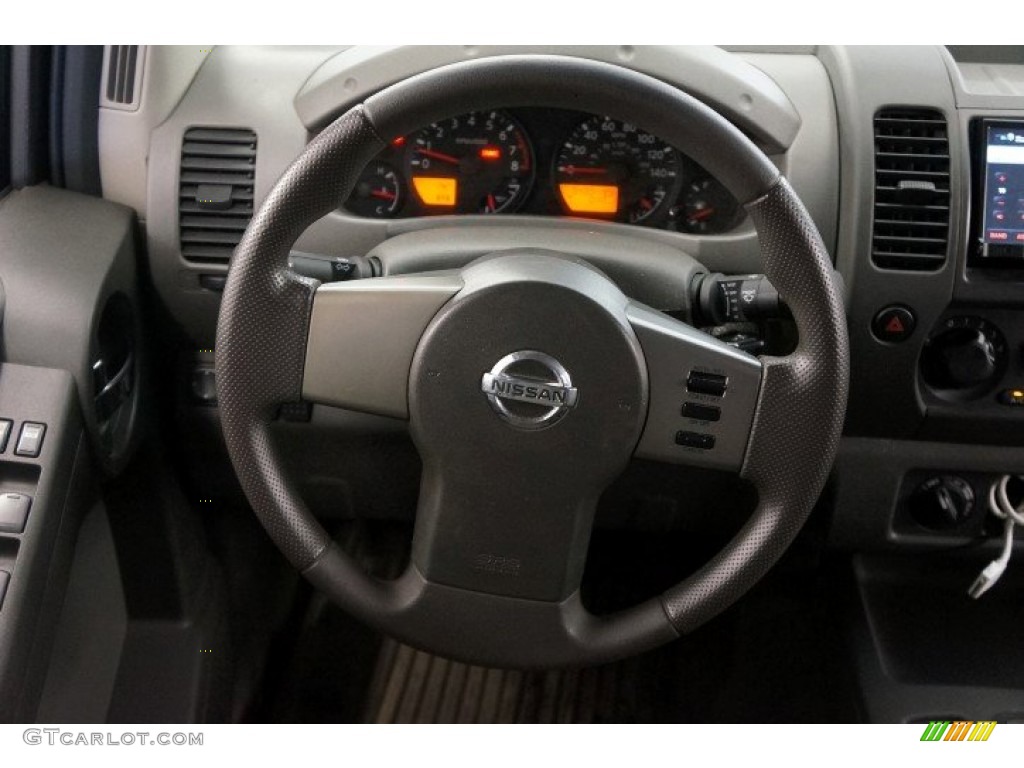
(971, 367)
(932, 244)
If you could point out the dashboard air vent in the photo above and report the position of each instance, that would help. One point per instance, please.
(215, 196)
(911, 224)
(122, 76)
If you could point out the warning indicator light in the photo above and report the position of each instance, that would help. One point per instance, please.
(893, 324)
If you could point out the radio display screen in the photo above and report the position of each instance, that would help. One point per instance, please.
(1003, 223)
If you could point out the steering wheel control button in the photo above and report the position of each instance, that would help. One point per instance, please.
(702, 412)
(13, 512)
(695, 440)
(703, 383)
(894, 324)
(5, 579)
(529, 389)
(5, 433)
(30, 441)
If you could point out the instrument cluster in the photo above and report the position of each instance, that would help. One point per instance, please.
(548, 162)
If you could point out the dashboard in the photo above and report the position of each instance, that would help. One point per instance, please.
(908, 158)
(545, 162)
(895, 152)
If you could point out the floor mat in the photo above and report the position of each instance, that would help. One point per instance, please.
(412, 686)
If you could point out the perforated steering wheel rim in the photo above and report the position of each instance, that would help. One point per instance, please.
(461, 609)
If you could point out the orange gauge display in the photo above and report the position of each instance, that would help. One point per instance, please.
(436, 190)
(590, 198)
(479, 162)
(614, 169)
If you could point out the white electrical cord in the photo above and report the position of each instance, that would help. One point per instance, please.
(999, 504)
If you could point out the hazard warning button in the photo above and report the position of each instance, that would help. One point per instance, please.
(894, 324)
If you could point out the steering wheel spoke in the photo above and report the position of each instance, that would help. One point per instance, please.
(362, 337)
(519, 531)
(703, 393)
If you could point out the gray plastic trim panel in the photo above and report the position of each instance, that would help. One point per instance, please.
(362, 338)
(656, 274)
(725, 82)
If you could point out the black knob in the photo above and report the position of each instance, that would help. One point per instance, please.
(942, 503)
(968, 357)
(965, 354)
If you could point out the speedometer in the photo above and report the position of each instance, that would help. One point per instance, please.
(480, 162)
(610, 168)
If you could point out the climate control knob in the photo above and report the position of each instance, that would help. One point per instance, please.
(964, 354)
(967, 357)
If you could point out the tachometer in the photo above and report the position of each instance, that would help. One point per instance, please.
(610, 168)
(480, 162)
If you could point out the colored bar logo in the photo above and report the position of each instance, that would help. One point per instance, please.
(960, 730)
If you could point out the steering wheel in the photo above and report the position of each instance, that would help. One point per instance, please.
(529, 380)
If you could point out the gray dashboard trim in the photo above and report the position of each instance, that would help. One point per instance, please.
(254, 87)
(986, 85)
(740, 92)
(651, 272)
(167, 71)
(866, 78)
(237, 87)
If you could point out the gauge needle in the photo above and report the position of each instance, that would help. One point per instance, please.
(438, 156)
(703, 213)
(573, 170)
(382, 194)
(492, 205)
